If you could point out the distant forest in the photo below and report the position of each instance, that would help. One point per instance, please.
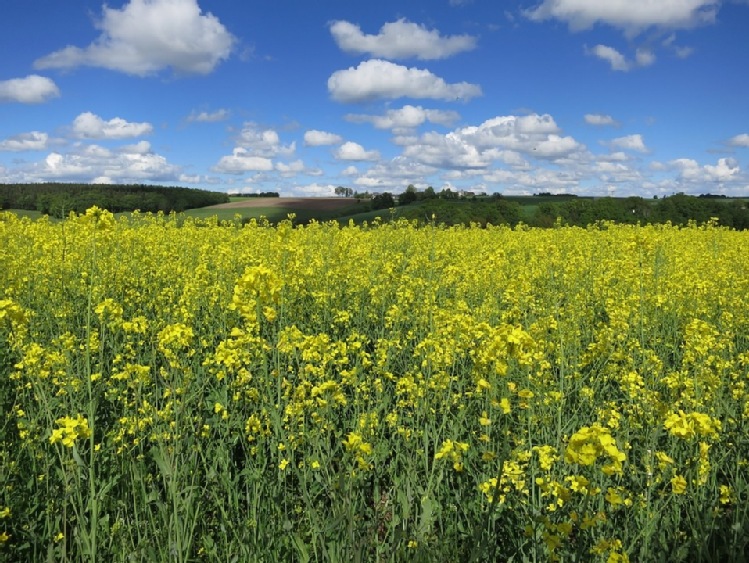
(59, 199)
(544, 210)
(258, 194)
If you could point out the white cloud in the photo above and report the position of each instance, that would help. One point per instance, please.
(618, 156)
(741, 140)
(141, 147)
(312, 190)
(629, 142)
(632, 16)
(503, 138)
(600, 119)
(254, 152)
(539, 179)
(315, 138)
(690, 172)
(407, 117)
(354, 151)
(146, 36)
(446, 151)
(399, 40)
(555, 146)
(263, 142)
(291, 169)
(644, 57)
(394, 175)
(376, 78)
(190, 178)
(208, 117)
(33, 89)
(726, 170)
(350, 171)
(90, 126)
(241, 160)
(33, 141)
(88, 163)
(614, 57)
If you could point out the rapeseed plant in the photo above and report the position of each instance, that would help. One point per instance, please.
(189, 390)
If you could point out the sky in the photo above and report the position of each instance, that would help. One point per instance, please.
(591, 97)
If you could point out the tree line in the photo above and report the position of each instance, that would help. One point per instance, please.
(58, 199)
(453, 208)
(258, 194)
(678, 209)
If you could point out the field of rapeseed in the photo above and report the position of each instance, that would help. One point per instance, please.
(189, 391)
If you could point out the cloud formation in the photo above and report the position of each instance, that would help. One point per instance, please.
(629, 142)
(147, 36)
(263, 142)
(33, 141)
(208, 117)
(33, 89)
(400, 39)
(376, 78)
(94, 163)
(500, 139)
(600, 120)
(90, 126)
(354, 151)
(315, 138)
(741, 140)
(643, 57)
(241, 160)
(407, 117)
(632, 16)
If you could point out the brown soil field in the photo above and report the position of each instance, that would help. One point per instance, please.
(310, 203)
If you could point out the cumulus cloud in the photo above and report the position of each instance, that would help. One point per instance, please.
(147, 36)
(690, 171)
(407, 117)
(600, 119)
(141, 147)
(741, 140)
(263, 142)
(643, 57)
(88, 163)
(725, 170)
(376, 78)
(33, 141)
(208, 117)
(539, 179)
(629, 142)
(354, 151)
(241, 160)
(399, 40)
(90, 126)
(295, 168)
(632, 16)
(502, 138)
(395, 174)
(254, 152)
(311, 190)
(315, 138)
(33, 89)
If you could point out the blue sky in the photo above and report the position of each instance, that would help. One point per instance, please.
(614, 97)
